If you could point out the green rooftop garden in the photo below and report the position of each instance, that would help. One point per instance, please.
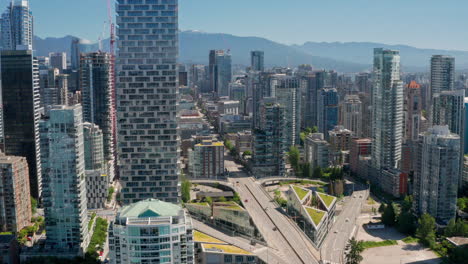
(327, 199)
(300, 192)
(230, 205)
(315, 214)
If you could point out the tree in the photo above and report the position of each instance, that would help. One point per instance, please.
(294, 156)
(389, 215)
(222, 199)
(185, 189)
(462, 204)
(354, 249)
(406, 223)
(306, 170)
(426, 230)
(33, 205)
(407, 204)
(247, 153)
(450, 229)
(459, 255)
(381, 208)
(209, 200)
(317, 173)
(461, 228)
(236, 198)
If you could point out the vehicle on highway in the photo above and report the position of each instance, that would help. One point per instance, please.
(347, 220)
(275, 228)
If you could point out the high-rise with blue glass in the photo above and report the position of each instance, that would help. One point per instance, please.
(16, 26)
(147, 91)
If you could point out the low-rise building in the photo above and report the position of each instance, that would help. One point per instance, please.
(210, 250)
(226, 215)
(206, 160)
(313, 212)
(151, 231)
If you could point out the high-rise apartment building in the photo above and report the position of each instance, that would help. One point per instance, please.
(437, 173)
(151, 231)
(220, 70)
(412, 111)
(147, 93)
(207, 160)
(448, 109)
(21, 111)
(387, 110)
(270, 142)
(53, 87)
(16, 26)
(327, 110)
(257, 60)
(15, 199)
(97, 82)
(58, 60)
(64, 181)
(93, 147)
(287, 93)
(442, 74)
(351, 114)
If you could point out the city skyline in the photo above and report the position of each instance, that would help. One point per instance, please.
(320, 22)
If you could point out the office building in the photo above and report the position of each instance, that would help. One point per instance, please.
(363, 83)
(327, 110)
(437, 174)
(15, 199)
(64, 180)
(442, 74)
(97, 84)
(207, 160)
(257, 61)
(147, 94)
(151, 231)
(58, 60)
(269, 145)
(16, 26)
(317, 151)
(287, 92)
(351, 114)
(387, 110)
(53, 88)
(220, 70)
(465, 147)
(21, 111)
(93, 147)
(412, 111)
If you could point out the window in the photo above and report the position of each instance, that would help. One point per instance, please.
(228, 258)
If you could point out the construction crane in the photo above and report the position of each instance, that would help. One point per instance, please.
(112, 84)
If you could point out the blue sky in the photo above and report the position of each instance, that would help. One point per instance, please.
(441, 24)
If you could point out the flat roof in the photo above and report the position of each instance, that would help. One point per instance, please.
(222, 249)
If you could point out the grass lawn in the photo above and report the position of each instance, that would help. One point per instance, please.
(410, 239)
(373, 244)
(316, 215)
(327, 199)
(204, 238)
(300, 192)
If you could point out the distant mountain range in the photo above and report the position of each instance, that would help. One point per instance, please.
(343, 57)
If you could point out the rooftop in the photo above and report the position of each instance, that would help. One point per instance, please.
(327, 199)
(150, 208)
(315, 214)
(204, 238)
(301, 193)
(216, 248)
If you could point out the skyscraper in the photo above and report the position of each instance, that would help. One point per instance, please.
(257, 61)
(96, 82)
(413, 111)
(64, 186)
(220, 70)
(442, 74)
(21, 111)
(351, 114)
(448, 109)
(15, 199)
(387, 110)
(327, 110)
(270, 141)
(79, 46)
(93, 147)
(287, 93)
(16, 26)
(437, 173)
(58, 60)
(147, 93)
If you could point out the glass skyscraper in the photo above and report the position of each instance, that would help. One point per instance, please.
(147, 99)
(16, 26)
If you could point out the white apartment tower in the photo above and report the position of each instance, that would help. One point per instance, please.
(351, 114)
(147, 99)
(387, 110)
